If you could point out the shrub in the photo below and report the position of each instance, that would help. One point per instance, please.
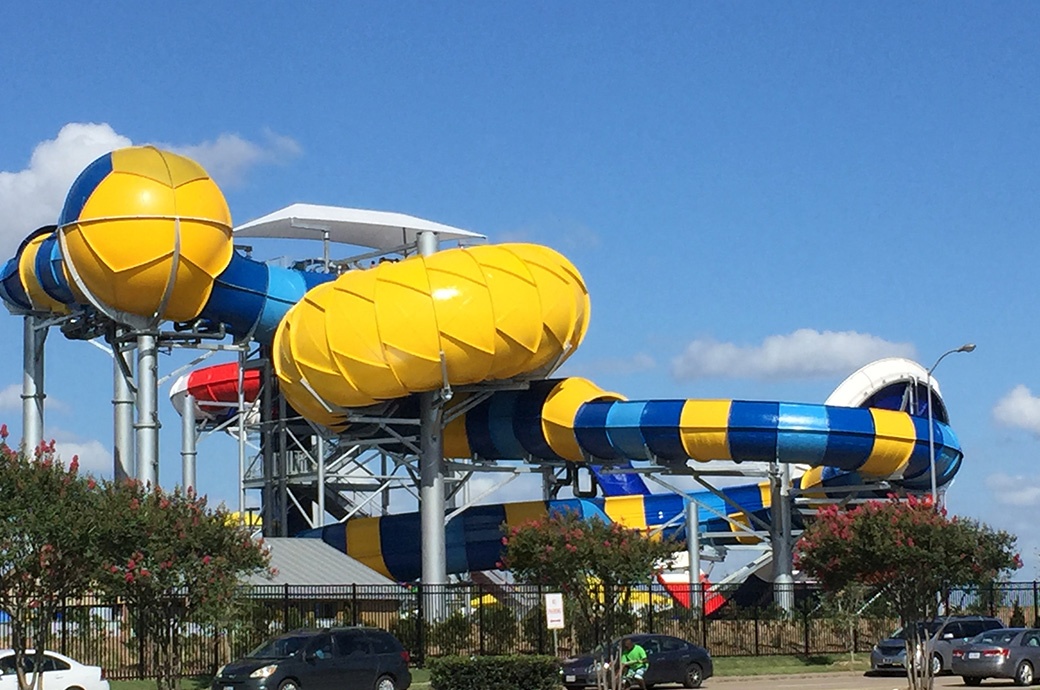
(498, 672)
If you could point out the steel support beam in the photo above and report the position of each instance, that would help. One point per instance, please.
(123, 465)
(32, 383)
(431, 470)
(147, 410)
(780, 533)
(188, 438)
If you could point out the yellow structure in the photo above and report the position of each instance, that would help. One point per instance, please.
(457, 317)
(145, 232)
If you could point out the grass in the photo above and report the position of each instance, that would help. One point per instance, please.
(776, 665)
(724, 666)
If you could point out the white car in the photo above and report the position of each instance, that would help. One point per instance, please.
(59, 672)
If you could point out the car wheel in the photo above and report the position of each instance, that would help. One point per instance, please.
(972, 680)
(694, 676)
(937, 665)
(289, 684)
(385, 683)
(1024, 674)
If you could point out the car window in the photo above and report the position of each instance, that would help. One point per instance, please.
(650, 645)
(7, 664)
(281, 647)
(671, 644)
(51, 663)
(321, 647)
(971, 628)
(992, 625)
(995, 637)
(383, 643)
(351, 642)
(1031, 638)
(953, 628)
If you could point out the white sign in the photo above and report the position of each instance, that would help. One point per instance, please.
(554, 611)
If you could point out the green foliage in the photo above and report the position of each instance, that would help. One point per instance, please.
(50, 519)
(498, 628)
(173, 559)
(1018, 617)
(911, 550)
(498, 672)
(451, 635)
(908, 547)
(591, 562)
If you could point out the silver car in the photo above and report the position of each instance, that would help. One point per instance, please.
(1006, 653)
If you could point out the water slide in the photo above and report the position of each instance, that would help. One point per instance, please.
(145, 236)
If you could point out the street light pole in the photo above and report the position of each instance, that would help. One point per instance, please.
(967, 347)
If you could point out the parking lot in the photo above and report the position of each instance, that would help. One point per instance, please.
(836, 681)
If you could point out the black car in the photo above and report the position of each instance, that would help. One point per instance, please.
(327, 659)
(671, 661)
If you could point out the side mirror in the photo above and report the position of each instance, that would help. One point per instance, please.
(947, 636)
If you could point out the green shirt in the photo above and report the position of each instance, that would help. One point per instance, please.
(634, 658)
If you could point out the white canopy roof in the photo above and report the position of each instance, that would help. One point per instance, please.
(381, 230)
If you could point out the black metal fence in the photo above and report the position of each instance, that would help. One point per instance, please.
(481, 619)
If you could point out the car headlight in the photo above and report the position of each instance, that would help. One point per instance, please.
(264, 672)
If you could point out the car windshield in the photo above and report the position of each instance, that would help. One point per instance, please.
(924, 630)
(280, 647)
(995, 637)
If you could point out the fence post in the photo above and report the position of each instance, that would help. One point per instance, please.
(480, 615)
(353, 604)
(756, 631)
(420, 623)
(541, 621)
(1036, 605)
(806, 619)
(64, 623)
(992, 599)
(285, 607)
(650, 607)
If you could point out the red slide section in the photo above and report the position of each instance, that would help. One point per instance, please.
(216, 384)
(680, 591)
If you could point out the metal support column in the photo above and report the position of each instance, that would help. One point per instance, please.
(693, 557)
(783, 556)
(32, 383)
(188, 438)
(123, 463)
(267, 499)
(431, 472)
(319, 451)
(147, 410)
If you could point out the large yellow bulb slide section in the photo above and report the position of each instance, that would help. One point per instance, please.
(460, 316)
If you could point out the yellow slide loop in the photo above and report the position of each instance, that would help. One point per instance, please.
(146, 232)
(470, 314)
(39, 299)
(560, 409)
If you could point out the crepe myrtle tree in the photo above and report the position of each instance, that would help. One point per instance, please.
(50, 522)
(172, 559)
(912, 551)
(592, 562)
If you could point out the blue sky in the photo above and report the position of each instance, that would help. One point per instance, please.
(761, 197)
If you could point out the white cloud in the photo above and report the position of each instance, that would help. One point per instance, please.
(94, 456)
(804, 353)
(33, 196)
(1019, 408)
(1014, 490)
(11, 398)
(228, 157)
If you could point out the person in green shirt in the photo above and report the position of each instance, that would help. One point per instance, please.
(633, 662)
